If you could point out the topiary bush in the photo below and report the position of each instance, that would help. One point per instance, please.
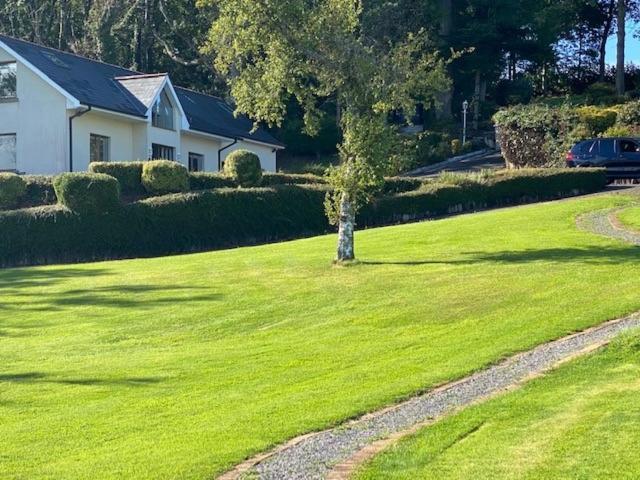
(209, 181)
(12, 189)
(164, 176)
(87, 193)
(128, 174)
(243, 167)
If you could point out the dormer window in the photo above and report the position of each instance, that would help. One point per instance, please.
(162, 114)
(8, 80)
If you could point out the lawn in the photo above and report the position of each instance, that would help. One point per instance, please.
(180, 367)
(630, 217)
(581, 421)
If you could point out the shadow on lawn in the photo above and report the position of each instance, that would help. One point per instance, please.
(38, 377)
(590, 255)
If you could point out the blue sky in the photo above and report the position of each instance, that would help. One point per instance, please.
(633, 45)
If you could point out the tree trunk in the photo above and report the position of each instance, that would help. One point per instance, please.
(606, 31)
(346, 227)
(622, 17)
(444, 109)
(476, 101)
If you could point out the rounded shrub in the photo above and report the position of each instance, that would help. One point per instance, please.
(629, 114)
(87, 193)
(164, 176)
(243, 167)
(12, 189)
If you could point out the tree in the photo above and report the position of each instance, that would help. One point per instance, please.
(622, 18)
(317, 49)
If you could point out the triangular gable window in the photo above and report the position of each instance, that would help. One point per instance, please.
(162, 115)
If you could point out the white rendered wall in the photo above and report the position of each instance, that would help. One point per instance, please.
(204, 146)
(39, 120)
(119, 130)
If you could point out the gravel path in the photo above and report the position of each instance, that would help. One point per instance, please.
(333, 453)
(604, 222)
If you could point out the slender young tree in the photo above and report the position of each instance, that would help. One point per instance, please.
(270, 50)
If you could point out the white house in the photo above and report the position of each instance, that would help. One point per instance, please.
(59, 112)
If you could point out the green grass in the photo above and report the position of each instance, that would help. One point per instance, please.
(180, 367)
(630, 217)
(581, 421)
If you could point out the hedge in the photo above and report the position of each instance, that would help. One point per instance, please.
(160, 177)
(87, 193)
(128, 174)
(243, 167)
(272, 179)
(209, 181)
(12, 189)
(40, 191)
(509, 187)
(222, 218)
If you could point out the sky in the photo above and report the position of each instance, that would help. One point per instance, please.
(632, 45)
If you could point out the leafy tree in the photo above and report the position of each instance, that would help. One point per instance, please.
(317, 49)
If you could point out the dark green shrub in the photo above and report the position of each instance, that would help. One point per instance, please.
(273, 179)
(244, 168)
(164, 176)
(128, 174)
(601, 93)
(87, 193)
(393, 185)
(209, 181)
(596, 119)
(12, 189)
(39, 191)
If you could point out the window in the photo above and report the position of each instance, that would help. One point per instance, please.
(196, 162)
(98, 148)
(8, 152)
(162, 152)
(162, 114)
(8, 80)
(607, 148)
(628, 146)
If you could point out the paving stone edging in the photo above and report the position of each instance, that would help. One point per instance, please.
(334, 454)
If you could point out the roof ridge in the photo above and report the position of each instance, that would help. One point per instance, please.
(65, 52)
(217, 97)
(141, 75)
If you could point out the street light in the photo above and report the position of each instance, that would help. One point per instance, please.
(465, 107)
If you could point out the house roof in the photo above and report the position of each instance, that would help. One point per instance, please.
(143, 87)
(120, 90)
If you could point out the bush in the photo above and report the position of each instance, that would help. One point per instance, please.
(87, 193)
(456, 147)
(244, 168)
(12, 189)
(618, 131)
(209, 181)
(601, 93)
(393, 185)
(597, 120)
(39, 191)
(164, 176)
(273, 179)
(128, 174)
(629, 114)
(535, 135)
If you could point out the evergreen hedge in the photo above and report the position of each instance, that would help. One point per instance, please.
(87, 193)
(12, 189)
(128, 174)
(211, 219)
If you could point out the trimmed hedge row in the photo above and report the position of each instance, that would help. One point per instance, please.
(509, 187)
(175, 223)
(221, 218)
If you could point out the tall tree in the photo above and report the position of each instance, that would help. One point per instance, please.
(622, 19)
(329, 53)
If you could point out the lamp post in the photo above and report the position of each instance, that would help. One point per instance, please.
(465, 107)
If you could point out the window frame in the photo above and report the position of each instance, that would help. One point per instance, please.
(106, 147)
(199, 157)
(15, 151)
(158, 147)
(15, 72)
(156, 112)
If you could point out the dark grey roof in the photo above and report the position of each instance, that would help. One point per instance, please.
(96, 84)
(213, 115)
